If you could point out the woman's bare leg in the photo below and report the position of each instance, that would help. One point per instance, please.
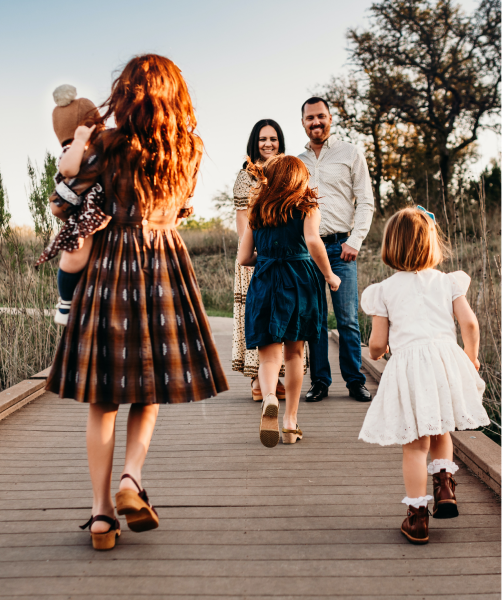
(415, 467)
(100, 446)
(270, 364)
(293, 359)
(140, 426)
(74, 262)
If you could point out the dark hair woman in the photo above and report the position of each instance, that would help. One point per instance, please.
(266, 140)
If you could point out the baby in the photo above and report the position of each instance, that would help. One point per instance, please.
(81, 214)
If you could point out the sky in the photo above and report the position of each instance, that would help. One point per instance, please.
(243, 61)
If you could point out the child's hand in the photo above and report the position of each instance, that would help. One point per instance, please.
(334, 282)
(381, 355)
(83, 133)
(477, 364)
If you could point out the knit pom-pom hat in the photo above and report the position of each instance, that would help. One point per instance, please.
(70, 112)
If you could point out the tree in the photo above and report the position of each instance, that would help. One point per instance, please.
(5, 215)
(224, 204)
(427, 68)
(491, 185)
(41, 187)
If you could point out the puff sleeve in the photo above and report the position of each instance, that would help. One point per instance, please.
(242, 187)
(460, 283)
(372, 301)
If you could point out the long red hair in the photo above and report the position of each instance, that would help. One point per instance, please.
(154, 137)
(282, 186)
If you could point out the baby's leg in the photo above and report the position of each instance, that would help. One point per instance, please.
(293, 359)
(70, 270)
(74, 262)
(415, 467)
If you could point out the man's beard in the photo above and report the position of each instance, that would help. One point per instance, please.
(319, 133)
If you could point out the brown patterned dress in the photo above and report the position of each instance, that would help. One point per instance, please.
(137, 330)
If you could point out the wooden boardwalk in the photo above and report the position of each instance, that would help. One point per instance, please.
(319, 519)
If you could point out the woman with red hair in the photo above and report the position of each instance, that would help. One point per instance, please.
(137, 331)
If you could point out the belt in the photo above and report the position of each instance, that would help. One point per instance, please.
(283, 275)
(334, 237)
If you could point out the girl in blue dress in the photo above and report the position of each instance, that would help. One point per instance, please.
(283, 303)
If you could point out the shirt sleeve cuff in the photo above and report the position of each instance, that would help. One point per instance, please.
(354, 242)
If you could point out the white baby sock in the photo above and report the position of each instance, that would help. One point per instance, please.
(442, 463)
(416, 502)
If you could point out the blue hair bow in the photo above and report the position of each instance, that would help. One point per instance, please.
(429, 214)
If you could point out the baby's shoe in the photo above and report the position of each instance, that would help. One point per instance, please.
(416, 525)
(62, 312)
(445, 502)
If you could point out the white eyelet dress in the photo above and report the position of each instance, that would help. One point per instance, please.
(429, 385)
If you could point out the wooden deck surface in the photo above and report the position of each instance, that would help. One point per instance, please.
(319, 519)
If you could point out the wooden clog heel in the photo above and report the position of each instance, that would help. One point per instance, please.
(269, 424)
(290, 436)
(139, 513)
(106, 540)
(256, 392)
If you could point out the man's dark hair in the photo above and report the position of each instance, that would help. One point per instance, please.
(315, 100)
(253, 150)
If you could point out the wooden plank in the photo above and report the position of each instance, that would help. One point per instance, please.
(319, 519)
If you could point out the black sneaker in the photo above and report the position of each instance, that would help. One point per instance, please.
(317, 392)
(359, 392)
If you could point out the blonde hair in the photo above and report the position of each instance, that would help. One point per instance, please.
(412, 241)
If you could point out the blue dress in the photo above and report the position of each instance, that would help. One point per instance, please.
(284, 297)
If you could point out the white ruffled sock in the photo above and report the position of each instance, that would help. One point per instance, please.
(442, 463)
(417, 502)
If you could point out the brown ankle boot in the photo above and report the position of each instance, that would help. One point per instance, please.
(416, 525)
(445, 503)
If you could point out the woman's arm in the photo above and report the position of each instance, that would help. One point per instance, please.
(70, 162)
(469, 328)
(379, 338)
(247, 256)
(317, 249)
(241, 221)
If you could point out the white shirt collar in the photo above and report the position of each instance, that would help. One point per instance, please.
(327, 144)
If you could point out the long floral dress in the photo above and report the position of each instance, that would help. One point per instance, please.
(245, 361)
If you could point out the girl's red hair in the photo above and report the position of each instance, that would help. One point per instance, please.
(283, 185)
(154, 137)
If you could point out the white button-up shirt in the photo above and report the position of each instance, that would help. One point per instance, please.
(342, 179)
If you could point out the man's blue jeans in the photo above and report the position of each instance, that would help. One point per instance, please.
(345, 303)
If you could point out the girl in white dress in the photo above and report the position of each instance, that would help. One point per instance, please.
(430, 386)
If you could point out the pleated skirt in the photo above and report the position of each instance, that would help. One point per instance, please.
(137, 330)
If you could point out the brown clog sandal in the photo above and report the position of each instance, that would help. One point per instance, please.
(103, 541)
(280, 391)
(140, 514)
(256, 392)
(269, 424)
(290, 436)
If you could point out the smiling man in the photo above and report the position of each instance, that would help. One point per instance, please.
(340, 173)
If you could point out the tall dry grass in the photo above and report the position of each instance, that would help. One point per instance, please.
(28, 334)
(213, 252)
